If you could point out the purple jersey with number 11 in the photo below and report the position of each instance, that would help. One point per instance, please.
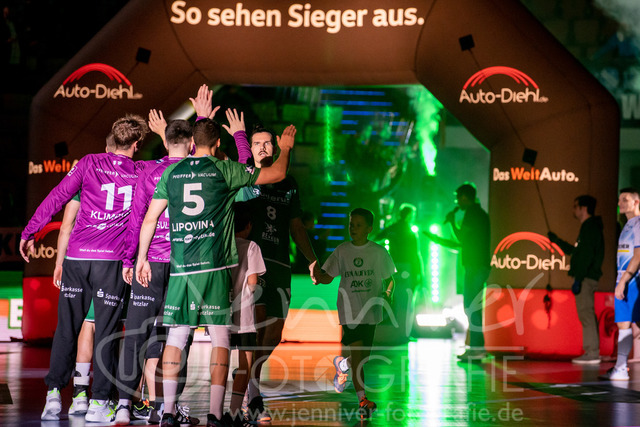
(160, 248)
(107, 182)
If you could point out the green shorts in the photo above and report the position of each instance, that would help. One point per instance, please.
(91, 315)
(198, 299)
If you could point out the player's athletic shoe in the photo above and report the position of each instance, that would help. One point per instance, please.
(141, 410)
(99, 412)
(52, 406)
(340, 379)
(80, 402)
(257, 413)
(123, 415)
(366, 408)
(585, 359)
(616, 374)
(168, 420)
(182, 415)
(155, 414)
(238, 421)
(213, 421)
(472, 356)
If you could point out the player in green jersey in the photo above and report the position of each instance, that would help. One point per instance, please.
(199, 192)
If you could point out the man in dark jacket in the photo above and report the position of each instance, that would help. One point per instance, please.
(586, 268)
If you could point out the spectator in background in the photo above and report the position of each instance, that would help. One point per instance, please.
(473, 240)
(404, 248)
(586, 268)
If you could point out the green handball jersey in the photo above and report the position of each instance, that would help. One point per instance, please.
(200, 193)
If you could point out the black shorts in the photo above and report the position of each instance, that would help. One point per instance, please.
(156, 342)
(244, 341)
(355, 333)
(276, 293)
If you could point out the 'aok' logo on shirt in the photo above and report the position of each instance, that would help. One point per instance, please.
(367, 283)
(358, 262)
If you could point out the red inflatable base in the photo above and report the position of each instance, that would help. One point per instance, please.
(40, 309)
(519, 321)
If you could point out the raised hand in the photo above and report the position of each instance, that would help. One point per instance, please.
(202, 102)
(236, 123)
(286, 141)
(157, 123)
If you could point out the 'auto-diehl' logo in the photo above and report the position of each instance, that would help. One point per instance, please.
(124, 90)
(503, 261)
(529, 91)
(43, 251)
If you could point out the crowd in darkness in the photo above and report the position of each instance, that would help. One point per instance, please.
(40, 36)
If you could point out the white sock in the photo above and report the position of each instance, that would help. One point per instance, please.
(360, 395)
(254, 388)
(124, 402)
(625, 342)
(344, 365)
(216, 400)
(170, 388)
(83, 369)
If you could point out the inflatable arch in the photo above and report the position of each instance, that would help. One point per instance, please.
(489, 62)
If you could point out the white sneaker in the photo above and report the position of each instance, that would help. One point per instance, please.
(80, 404)
(99, 412)
(616, 374)
(123, 415)
(52, 406)
(183, 417)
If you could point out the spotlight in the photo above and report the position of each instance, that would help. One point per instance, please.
(466, 42)
(61, 149)
(143, 55)
(529, 156)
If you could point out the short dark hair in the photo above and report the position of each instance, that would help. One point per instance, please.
(242, 216)
(128, 130)
(178, 132)
(365, 213)
(467, 189)
(206, 133)
(258, 128)
(631, 190)
(587, 201)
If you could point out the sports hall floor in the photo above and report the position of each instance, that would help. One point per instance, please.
(420, 383)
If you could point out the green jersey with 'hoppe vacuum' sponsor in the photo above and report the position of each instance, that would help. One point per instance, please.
(200, 193)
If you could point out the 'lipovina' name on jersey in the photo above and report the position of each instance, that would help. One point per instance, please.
(192, 226)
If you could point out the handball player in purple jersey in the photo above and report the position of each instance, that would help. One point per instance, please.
(80, 402)
(92, 268)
